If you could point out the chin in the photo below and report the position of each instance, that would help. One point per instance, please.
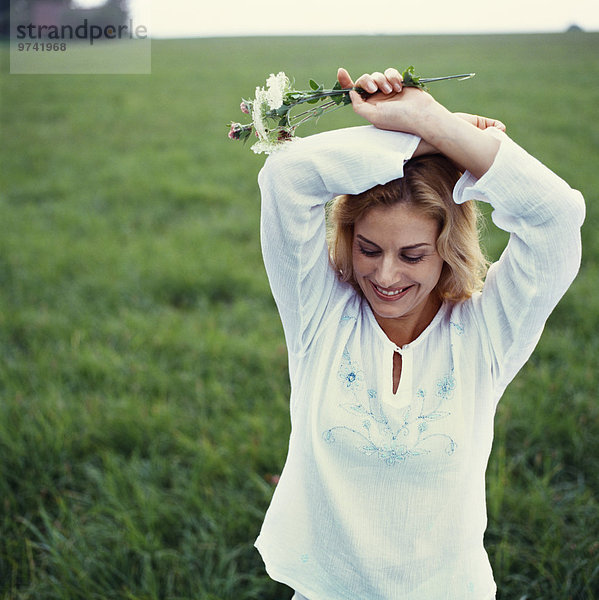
(388, 312)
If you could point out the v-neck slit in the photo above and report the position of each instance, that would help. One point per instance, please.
(397, 365)
(392, 393)
(404, 383)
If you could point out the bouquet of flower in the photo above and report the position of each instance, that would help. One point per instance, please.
(272, 121)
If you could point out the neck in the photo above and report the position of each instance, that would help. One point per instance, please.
(404, 330)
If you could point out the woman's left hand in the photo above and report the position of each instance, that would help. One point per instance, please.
(481, 122)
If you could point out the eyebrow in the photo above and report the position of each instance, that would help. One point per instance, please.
(412, 247)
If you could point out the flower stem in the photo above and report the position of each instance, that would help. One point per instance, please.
(327, 107)
(311, 111)
(460, 77)
(319, 95)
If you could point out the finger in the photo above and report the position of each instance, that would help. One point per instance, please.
(366, 82)
(372, 82)
(382, 82)
(394, 78)
(356, 99)
(482, 122)
(499, 125)
(344, 79)
(486, 122)
(360, 106)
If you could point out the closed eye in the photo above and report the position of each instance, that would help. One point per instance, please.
(367, 252)
(412, 259)
(405, 257)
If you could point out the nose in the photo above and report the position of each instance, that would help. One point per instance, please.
(388, 271)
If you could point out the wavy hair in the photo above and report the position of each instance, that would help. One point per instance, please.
(427, 185)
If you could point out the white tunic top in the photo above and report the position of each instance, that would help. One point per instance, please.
(382, 496)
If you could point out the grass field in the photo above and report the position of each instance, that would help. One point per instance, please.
(142, 364)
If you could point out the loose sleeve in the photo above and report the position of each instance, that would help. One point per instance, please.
(543, 216)
(296, 183)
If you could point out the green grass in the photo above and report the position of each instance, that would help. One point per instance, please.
(142, 365)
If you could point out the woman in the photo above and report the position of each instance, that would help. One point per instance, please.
(397, 361)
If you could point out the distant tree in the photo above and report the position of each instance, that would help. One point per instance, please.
(111, 12)
(575, 27)
(21, 7)
(4, 18)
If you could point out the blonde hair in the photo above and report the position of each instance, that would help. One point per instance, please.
(427, 185)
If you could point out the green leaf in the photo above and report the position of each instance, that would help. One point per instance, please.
(409, 77)
(337, 86)
(412, 80)
(315, 86)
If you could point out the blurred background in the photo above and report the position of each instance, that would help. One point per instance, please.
(189, 18)
(143, 371)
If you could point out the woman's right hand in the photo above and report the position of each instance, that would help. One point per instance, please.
(411, 110)
(389, 105)
(388, 87)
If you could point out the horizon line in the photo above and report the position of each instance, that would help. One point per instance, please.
(181, 36)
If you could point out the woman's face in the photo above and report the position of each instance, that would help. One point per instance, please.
(395, 260)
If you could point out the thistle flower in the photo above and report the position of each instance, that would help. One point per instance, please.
(272, 121)
(238, 131)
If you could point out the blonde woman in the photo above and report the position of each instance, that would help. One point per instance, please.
(398, 353)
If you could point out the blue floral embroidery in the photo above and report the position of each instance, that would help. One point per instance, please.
(350, 374)
(445, 386)
(458, 327)
(377, 437)
(347, 318)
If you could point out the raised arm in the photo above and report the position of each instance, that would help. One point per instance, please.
(296, 183)
(540, 211)
(390, 106)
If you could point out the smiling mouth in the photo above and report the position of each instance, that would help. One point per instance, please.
(390, 294)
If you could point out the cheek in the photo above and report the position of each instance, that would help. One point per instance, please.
(436, 270)
(358, 264)
(428, 274)
(363, 266)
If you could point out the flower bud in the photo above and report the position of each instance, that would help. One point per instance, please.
(237, 131)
